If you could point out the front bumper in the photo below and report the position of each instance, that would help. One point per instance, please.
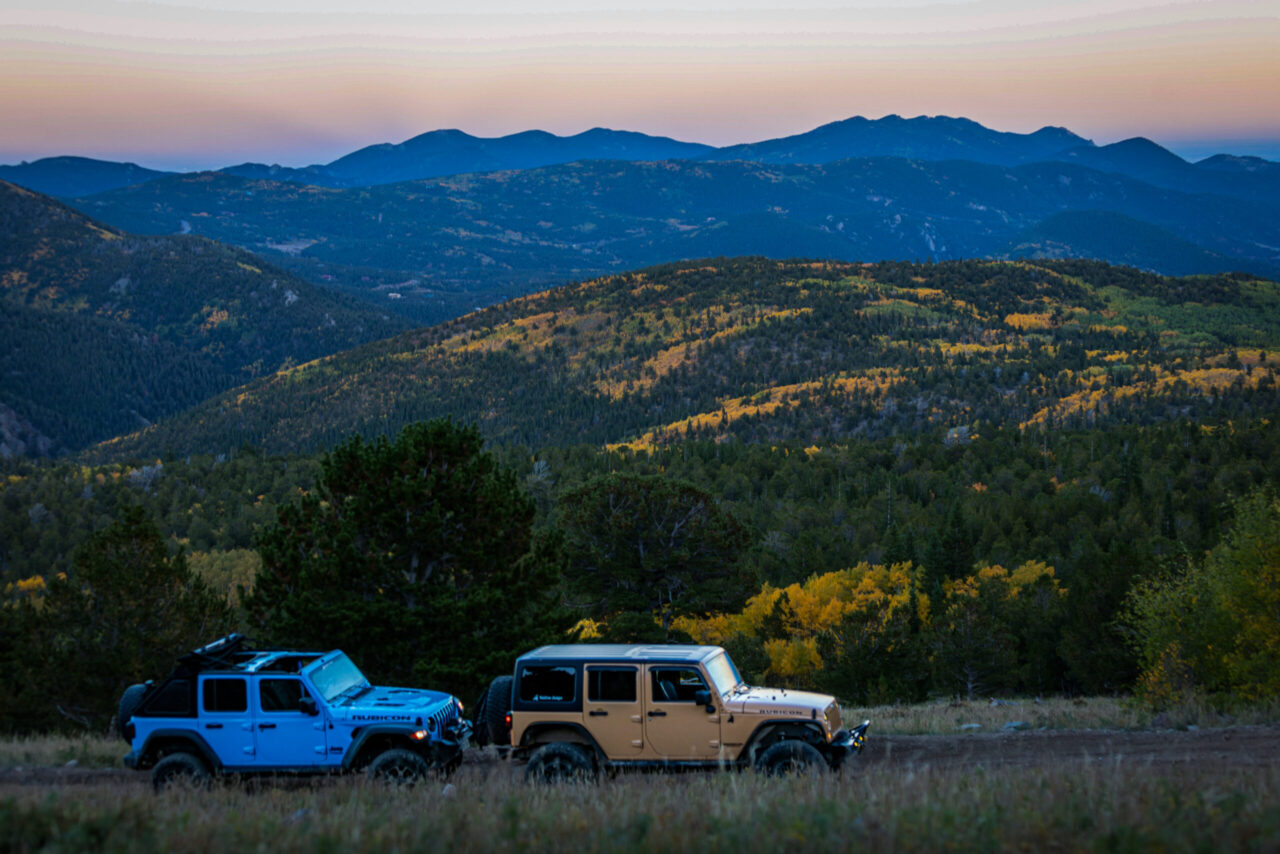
(453, 740)
(847, 742)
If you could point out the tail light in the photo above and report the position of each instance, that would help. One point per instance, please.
(507, 719)
(130, 730)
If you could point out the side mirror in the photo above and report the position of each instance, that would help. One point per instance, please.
(703, 698)
(307, 706)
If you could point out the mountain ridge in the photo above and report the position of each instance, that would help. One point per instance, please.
(443, 246)
(163, 322)
(758, 350)
(919, 137)
(76, 176)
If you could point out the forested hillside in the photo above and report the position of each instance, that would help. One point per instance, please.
(1104, 507)
(960, 478)
(764, 351)
(106, 332)
(438, 248)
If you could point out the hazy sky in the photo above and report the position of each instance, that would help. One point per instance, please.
(207, 83)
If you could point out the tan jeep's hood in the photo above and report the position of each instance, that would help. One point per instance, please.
(779, 702)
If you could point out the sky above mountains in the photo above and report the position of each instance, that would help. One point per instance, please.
(185, 84)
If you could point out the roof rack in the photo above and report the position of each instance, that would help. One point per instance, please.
(226, 651)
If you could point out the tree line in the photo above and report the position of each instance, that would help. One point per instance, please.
(878, 571)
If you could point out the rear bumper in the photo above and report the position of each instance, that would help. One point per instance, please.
(131, 760)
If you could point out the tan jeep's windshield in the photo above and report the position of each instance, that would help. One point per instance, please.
(723, 673)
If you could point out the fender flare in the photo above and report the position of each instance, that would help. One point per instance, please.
(577, 728)
(202, 748)
(397, 731)
(797, 729)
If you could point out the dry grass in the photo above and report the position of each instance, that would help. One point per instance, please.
(948, 716)
(1075, 807)
(52, 750)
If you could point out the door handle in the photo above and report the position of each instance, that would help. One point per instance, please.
(597, 713)
(657, 714)
(213, 726)
(266, 726)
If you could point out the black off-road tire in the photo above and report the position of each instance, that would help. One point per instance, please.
(560, 762)
(180, 769)
(398, 767)
(493, 717)
(791, 758)
(129, 702)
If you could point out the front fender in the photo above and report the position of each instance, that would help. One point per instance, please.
(437, 747)
(767, 732)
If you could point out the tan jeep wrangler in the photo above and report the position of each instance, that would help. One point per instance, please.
(573, 710)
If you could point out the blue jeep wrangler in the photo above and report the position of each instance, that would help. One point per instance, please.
(228, 709)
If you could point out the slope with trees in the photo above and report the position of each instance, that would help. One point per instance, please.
(758, 350)
(106, 331)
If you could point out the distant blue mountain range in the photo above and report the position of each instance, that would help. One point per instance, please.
(929, 138)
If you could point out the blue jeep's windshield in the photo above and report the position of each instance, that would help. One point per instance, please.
(334, 678)
(723, 673)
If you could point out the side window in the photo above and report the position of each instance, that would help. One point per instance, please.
(611, 684)
(675, 684)
(280, 695)
(548, 683)
(226, 695)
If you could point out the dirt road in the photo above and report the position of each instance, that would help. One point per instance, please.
(1240, 747)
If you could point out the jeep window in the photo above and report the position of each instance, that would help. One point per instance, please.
(723, 674)
(172, 700)
(548, 683)
(280, 695)
(676, 684)
(611, 684)
(334, 678)
(226, 695)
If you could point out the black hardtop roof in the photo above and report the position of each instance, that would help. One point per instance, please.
(631, 652)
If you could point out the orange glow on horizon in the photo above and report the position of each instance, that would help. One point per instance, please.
(179, 85)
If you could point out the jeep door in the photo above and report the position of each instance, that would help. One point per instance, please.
(613, 709)
(225, 721)
(676, 727)
(287, 736)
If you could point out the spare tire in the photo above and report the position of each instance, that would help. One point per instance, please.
(493, 716)
(129, 702)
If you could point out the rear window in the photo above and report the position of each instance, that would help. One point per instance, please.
(548, 683)
(173, 699)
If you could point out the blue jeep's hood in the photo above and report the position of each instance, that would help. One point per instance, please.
(394, 704)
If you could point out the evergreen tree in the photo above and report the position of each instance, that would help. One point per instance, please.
(650, 545)
(416, 556)
(120, 616)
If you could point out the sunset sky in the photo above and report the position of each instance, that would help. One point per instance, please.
(184, 84)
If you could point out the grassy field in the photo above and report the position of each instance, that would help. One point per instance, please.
(1224, 796)
(1073, 808)
(938, 718)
